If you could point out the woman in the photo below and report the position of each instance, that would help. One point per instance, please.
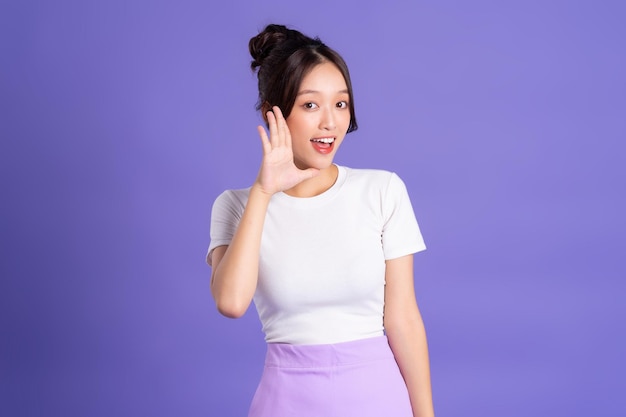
(325, 251)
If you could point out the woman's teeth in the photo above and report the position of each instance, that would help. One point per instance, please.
(324, 140)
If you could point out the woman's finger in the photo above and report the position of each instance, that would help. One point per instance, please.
(287, 136)
(281, 124)
(271, 122)
(267, 146)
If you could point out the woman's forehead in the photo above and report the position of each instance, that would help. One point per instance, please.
(323, 78)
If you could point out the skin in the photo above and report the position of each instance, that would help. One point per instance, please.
(291, 164)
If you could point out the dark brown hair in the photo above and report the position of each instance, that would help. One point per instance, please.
(284, 57)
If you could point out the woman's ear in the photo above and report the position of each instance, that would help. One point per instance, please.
(265, 107)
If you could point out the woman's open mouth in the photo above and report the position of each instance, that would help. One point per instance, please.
(323, 145)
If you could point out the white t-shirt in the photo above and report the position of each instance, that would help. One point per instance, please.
(322, 259)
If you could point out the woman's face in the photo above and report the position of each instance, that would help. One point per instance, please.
(320, 117)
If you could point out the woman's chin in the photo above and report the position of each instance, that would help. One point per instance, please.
(317, 163)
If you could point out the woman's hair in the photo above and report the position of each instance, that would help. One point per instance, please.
(284, 57)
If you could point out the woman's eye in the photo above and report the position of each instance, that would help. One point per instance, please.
(310, 105)
(342, 105)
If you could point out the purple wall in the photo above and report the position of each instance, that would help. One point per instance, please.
(122, 121)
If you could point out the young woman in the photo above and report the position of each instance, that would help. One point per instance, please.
(325, 251)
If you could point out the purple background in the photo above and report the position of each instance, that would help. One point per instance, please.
(122, 121)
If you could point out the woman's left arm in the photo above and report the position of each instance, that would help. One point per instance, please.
(406, 334)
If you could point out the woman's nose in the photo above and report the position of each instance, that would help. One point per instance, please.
(328, 120)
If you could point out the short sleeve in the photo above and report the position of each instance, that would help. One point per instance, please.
(401, 234)
(225, 216)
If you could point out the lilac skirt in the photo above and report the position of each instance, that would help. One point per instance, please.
(358, 378)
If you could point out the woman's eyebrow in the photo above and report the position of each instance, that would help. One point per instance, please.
(345, 91)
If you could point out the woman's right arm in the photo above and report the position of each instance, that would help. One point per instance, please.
(235, 268)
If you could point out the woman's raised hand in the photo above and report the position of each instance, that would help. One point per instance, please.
(278, 171)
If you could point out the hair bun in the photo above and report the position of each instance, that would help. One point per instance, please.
(262, 44)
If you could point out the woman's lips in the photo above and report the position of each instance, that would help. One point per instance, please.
(323, 145)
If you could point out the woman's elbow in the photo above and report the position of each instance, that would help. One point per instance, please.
(232, 301)
(233, 309)
(231, 313)
(402, 323)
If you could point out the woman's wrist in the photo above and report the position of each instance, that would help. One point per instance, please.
(258, 191)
